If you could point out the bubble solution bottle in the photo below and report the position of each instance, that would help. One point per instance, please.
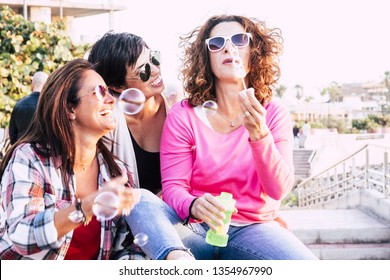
(220, 237)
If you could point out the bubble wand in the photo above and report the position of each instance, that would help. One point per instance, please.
(238, 65)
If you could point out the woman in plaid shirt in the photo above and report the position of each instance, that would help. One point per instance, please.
(51, 176)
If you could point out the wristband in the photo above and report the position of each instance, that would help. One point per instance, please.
(187, 219)
(77, 216)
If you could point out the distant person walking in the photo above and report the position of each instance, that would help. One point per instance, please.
(296, 136)
(306, 128)
(303, 133)
(24, 109)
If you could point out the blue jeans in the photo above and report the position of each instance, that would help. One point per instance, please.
(151, 217)
(267, 241)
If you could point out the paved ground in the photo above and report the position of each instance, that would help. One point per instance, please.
(333, 147)
(349, 219)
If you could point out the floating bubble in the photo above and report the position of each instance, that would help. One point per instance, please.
(238, 65)
(140, 239)
(210, 107)
(237, 61)
(105, 206)
(131, 101)
(234, 52)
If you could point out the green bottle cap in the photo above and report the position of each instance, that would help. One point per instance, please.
(216, 239)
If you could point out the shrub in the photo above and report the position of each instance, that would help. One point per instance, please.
(27, 47)
(360, 124)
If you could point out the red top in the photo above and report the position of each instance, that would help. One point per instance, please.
(85, 242)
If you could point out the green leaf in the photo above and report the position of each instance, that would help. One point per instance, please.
(27, 47)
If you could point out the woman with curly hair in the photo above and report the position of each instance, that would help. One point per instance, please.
(244, 147)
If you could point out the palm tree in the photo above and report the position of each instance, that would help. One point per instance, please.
(385, 107)
(280, 90)
(309, 99)
(387, 84)
(334, 94)
(299, 92)
(333, 91)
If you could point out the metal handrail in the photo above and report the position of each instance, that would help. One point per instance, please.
(346, 175)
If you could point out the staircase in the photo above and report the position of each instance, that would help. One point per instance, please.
(343, 212)
(348, 234)
(301, 159)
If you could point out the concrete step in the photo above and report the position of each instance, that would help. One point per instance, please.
(301, 164)
(340, 234)
(302, 168)
(302, 172)
(300, 160)
(371, 251)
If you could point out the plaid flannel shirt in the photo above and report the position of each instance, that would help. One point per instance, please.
(32, 191)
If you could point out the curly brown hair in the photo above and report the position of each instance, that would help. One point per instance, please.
(266, 47)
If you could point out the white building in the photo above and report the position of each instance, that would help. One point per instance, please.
(67, 10)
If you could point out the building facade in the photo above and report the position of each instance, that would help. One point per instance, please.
(66, 10)
(356, 102)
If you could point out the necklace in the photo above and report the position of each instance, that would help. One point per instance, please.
(84, 166)
(232, 122)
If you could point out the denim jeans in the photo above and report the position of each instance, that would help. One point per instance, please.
(151, 217)
(266, 241)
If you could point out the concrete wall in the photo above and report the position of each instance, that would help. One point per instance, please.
(374, 203)
(370, 201)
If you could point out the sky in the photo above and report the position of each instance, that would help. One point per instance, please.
(343, 41)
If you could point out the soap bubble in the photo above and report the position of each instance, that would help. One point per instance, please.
(105, 206)
(131, 101)
(140, 239)
(210, 107)
(234, 52)
(238, 65)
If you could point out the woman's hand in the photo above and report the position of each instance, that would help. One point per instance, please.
(254, 115)
(128, 197)
(208, 209)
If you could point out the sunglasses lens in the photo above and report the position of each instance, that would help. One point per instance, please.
(155, 58)
(216, 43)
(240, 40)
(99, 92)
(145, 74)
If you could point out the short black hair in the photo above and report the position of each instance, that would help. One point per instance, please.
(113, 53)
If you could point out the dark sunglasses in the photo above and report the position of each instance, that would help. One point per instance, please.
(144, 72)
(100, 92)
(217, 43)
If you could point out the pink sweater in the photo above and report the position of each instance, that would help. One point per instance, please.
(195, 160)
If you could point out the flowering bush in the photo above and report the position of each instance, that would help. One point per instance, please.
(27, 47)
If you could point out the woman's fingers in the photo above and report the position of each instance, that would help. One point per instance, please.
(249, 102)
(208, 209)
(117, 181)
(128, 198)
(255, 119)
